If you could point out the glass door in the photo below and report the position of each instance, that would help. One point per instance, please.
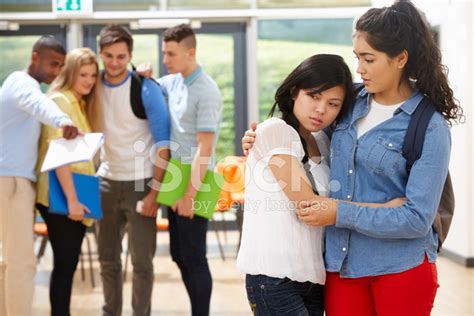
(221, 52)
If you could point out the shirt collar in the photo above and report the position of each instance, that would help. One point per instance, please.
(72, 98)
(193, 76)
(409, 106)
(113, 85)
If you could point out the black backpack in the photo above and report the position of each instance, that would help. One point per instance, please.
(136, 94)
(412, 149)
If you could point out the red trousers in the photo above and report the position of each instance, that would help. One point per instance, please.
(409, 293)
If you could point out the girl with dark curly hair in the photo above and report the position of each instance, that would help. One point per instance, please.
(381, 261)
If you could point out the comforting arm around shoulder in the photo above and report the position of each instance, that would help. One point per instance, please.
(423, 192)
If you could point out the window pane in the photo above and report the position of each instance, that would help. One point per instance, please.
(216, 55)
(311, 3)
(284, 44)
(126, 5)
(153, 5)
(145, 50)
(26, 5)
(208, 4)
(17, 50)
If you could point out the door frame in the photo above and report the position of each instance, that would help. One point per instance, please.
(58, 31)
(238, 32)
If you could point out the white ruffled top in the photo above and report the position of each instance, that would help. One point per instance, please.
(274, 242)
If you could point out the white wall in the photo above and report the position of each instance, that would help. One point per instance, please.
(456, 41)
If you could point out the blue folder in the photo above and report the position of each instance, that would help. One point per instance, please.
(87, 190)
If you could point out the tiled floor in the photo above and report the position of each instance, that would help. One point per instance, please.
(455, 296)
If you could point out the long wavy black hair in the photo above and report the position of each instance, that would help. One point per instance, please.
(316, 74)
(401, 27)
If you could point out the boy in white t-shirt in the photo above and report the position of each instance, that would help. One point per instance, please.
(129, 177)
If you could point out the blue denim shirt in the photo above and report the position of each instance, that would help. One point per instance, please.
(374, 241)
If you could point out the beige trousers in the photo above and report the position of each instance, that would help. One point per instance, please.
(17, 271)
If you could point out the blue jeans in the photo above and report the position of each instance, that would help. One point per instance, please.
(275, 296)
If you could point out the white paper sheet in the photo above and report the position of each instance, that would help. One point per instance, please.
(63, 152)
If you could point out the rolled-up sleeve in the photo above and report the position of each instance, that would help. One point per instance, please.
(423, 192)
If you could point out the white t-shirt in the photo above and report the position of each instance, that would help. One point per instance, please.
(274, 242)
(378, 113)
(125, 155)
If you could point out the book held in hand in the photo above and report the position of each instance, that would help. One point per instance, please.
(87, 190)
(175, 183)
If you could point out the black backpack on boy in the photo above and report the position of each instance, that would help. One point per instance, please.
(136, 94)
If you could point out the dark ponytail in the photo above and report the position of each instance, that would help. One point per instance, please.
(317, 74)
(401, 27)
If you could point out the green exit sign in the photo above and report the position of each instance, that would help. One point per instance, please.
(68, 5)
(72, 7)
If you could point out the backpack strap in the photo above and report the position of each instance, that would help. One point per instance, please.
(307, 170)
(412, 149)
(415, 135)
(136, 95)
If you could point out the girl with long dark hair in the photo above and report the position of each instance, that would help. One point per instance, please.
(382, 261)
(281, 256)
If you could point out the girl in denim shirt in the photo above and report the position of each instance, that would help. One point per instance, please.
(283, 257)
(381, 261)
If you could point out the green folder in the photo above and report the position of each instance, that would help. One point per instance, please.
(175, 183)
